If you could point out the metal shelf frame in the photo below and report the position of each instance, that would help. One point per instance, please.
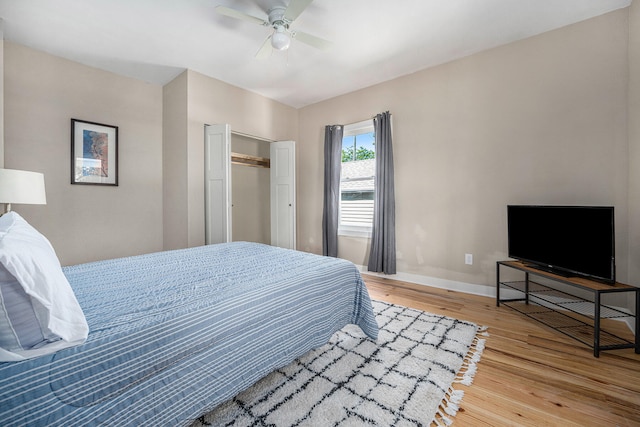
(574, 316)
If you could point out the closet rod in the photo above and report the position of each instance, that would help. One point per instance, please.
(246, 135)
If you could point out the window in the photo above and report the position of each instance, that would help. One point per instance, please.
(357, 182)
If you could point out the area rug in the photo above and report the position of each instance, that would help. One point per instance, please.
(406, 378)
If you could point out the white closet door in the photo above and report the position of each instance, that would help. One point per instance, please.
(283, 194)
(217, 184)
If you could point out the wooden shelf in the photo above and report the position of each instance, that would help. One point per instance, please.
(247, 160)
(580, 282)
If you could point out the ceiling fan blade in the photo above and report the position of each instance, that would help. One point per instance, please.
(314, 41)
(265, 50)
(227, 11)
(295, 8)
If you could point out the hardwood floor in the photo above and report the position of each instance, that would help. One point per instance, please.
(530, 375)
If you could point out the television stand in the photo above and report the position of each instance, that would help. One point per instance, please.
(574, 316)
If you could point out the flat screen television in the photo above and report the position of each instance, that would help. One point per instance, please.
(566, 240)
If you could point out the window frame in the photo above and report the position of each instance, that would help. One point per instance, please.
(365, 126)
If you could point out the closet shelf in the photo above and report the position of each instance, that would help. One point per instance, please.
(247, 160)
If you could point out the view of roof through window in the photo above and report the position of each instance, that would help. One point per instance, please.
(357, 180)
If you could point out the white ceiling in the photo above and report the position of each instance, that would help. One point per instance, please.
(374, 40)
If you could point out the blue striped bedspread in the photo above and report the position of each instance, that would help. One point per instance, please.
(174, 334)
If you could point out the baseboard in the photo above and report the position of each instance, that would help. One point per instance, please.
(467, 288)
(435, 282)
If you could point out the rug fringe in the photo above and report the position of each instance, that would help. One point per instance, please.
(452, 398)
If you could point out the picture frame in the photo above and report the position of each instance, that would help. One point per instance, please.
(94, 153)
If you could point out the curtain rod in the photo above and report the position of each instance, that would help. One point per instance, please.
(360, 121)
(365, 120)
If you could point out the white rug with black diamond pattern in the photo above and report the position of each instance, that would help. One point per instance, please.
(404, 379)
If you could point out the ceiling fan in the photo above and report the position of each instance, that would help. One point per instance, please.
(279, 18)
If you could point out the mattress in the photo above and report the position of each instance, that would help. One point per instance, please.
(174, 334)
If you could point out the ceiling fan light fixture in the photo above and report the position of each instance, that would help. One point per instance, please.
(279, 20)
(280, 40)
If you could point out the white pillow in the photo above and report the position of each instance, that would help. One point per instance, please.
(39, 313)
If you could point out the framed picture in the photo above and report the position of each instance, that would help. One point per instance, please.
(94, 153)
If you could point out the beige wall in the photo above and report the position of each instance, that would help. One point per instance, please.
(210, 101)
(251, 219)
(85, 222)
(159, 203)
(538, 121)
(174, 163)
(634, 144)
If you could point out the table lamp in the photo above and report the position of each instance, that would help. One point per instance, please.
(21, 187)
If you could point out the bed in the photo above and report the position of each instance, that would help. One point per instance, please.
(174, 334)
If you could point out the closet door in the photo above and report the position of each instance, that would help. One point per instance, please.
(283, 194)
(217, 174)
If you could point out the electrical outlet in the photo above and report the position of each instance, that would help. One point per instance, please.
(468, 259)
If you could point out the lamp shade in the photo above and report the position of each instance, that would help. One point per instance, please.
(22, 187)
(280, 39)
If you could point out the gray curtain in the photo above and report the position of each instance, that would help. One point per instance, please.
(382, 257)
(332, 164)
